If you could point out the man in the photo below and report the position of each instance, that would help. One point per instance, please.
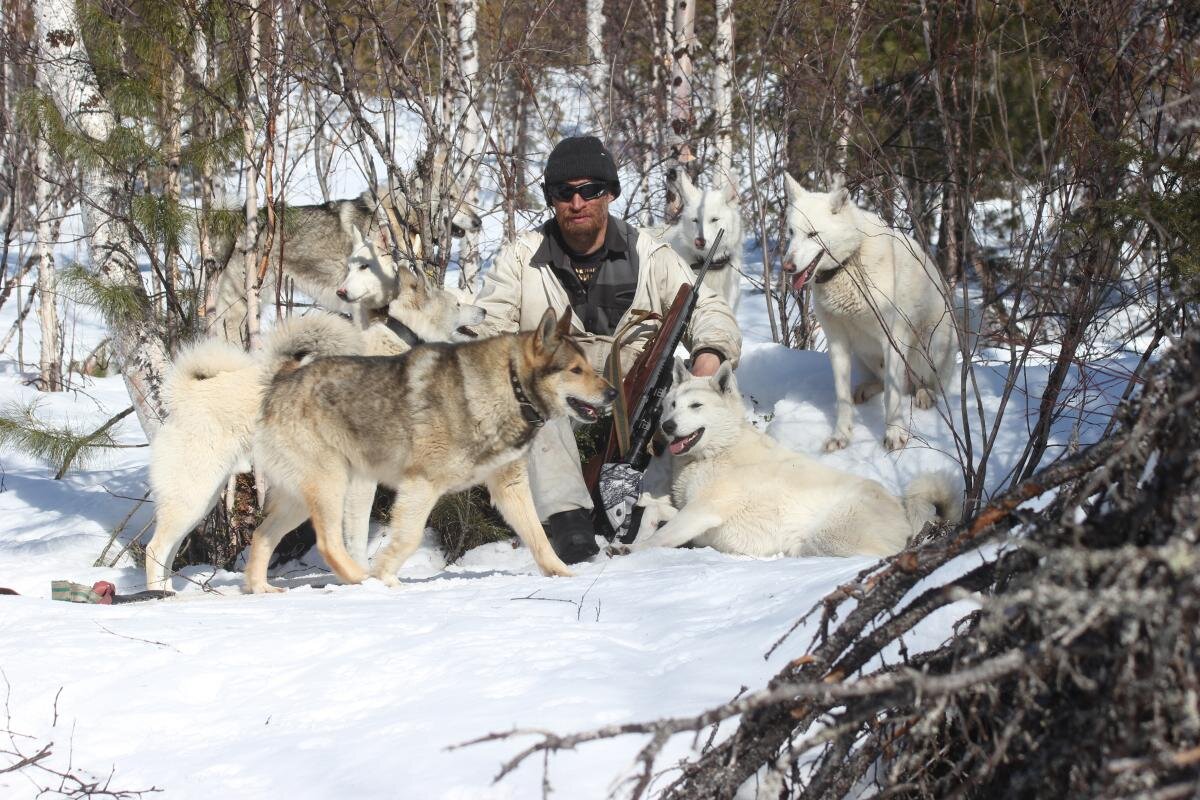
(603, 270)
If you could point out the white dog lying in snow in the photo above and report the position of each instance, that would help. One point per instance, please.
(740, 491)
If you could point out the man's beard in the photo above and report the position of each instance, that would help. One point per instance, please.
(582, 229)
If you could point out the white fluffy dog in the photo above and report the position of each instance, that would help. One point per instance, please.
(740, 491)
(879, 299)
(704, 213)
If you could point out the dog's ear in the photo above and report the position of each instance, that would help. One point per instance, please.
(723, 380)
(839, 195)
(680, 373)
(732, 195)
(545, 337)
(682, 184)
(564, 324)
(792, 186)
(356, 236)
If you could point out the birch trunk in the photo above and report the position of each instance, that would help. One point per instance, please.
(172, 189)
(597, 66)
(250, 181)
(723, 86)
(684, 30)
(65, 75)
(49, 375)
(467, 110)
(853, 87)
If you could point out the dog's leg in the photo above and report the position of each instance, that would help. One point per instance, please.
(284, 513)
(414, 500)
(325, 496)
(173, 523)
(691, 521)
(357, 520)
(840, 358)
(895, 435)
(510, 492)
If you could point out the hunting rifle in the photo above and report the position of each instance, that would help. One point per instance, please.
(613, 476)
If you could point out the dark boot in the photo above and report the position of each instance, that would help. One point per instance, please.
(572, 535)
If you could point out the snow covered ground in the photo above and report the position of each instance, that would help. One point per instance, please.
(360, 690)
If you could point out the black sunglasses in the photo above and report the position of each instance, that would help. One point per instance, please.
(563, 192)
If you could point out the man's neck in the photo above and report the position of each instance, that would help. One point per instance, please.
(587, 246)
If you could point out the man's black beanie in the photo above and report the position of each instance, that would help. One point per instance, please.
(582, 157)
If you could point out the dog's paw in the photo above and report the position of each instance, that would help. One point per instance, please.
(262, 587)
(924, 399)
(835, 443)
(865, 391)
(895, 439)
(614, 550)
(559, 570)
(388, 579)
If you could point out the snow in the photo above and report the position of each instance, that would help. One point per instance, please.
(360, 690)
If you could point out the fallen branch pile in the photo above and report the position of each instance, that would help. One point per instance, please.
(1076, 676)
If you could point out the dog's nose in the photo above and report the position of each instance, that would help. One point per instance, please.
(699, 241)
(669, 427)
(610, 394)
(341, 293)
(789, 265)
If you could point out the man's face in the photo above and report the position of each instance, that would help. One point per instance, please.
(579, 218)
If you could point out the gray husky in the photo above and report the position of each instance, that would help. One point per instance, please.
(313, 244)
(214, 392)
(438, 419)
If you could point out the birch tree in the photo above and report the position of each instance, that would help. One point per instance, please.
(467, 111)
(65, 75)
(597, 66)
(49, 369)
(723, 87)
(684, 42)
(250, 181)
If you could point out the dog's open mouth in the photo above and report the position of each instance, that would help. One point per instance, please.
(684, 443)
(583, 410)
(800, 277)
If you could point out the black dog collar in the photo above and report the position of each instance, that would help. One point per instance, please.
(718, 264)
(528, 409)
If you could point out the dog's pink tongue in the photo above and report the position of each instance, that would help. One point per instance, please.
(677, 446)
(800, 278)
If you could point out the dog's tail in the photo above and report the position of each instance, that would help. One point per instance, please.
(199, 362)
(296, 341)
(932, 497)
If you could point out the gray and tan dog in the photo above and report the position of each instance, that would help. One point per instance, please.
(438, 419)
(215, 390)
(315, 243)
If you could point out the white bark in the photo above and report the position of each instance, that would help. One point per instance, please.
(684, 42)
(174, 181)
(467, 103)
(853, 86)
(65, 75)
(250, 181)
(597, 68)
(723, 86)
(49, 374)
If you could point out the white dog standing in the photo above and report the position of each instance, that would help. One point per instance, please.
(704, 213)
(879, 299)
(740, 491)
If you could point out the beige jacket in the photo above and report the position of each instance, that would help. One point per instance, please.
(516, 293)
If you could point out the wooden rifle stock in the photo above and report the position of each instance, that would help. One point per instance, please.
(638, 383)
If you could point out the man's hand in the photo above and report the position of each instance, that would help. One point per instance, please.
(705, 364)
